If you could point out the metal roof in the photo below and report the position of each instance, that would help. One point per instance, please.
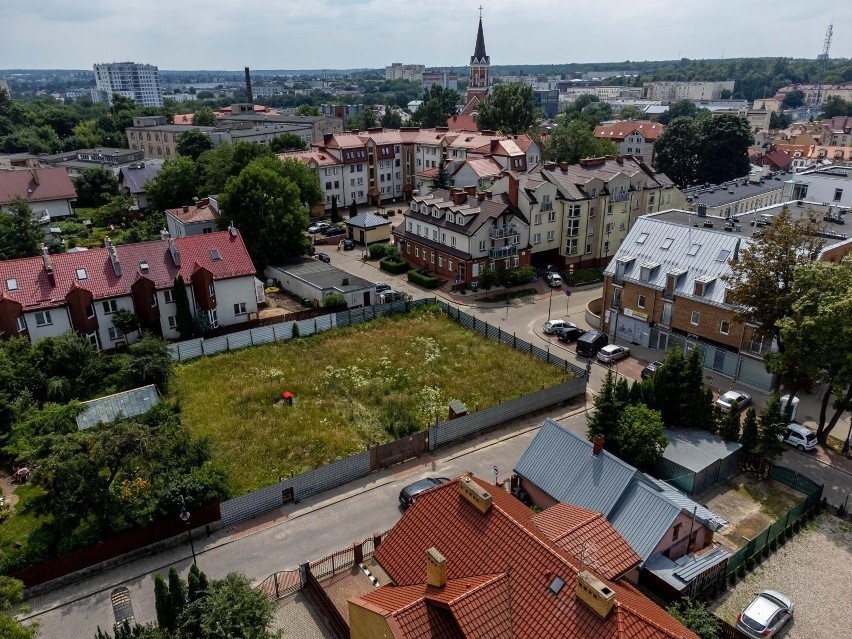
(129, 404)
(668, 492)
(734, 191)
(642, 517)
(367, 220)
(324, 276)
(681, 572)
(562, 465)
(695, 449)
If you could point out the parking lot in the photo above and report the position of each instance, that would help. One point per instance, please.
(814, 570)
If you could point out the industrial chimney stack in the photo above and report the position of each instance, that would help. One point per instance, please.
(249, 96)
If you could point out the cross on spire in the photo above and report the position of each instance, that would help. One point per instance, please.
(480, 12)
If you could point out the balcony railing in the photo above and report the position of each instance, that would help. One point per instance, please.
(501, 232)
(503, 251)
(757, 347)
(620, 197)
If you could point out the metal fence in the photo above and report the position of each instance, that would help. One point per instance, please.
(783, 524)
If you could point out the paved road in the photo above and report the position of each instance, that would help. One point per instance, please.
(328, 522)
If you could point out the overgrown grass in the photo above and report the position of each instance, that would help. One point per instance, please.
(353, 386)
(17, 527)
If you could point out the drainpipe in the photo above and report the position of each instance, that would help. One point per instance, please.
(691, 528)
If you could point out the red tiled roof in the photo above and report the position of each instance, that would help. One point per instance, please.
(505, 545)
(36, 291)
(483, 167)
(620, 130)
(183, 118)
(463, 122)
(779, 158)
(36, 185)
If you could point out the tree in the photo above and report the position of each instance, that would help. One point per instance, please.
(676, 151)
(670, 388)
(696, 400)
(438, 105)
(508, 108)
(204, 116)
(761, 281)
(729, 429)
(353, 208)
(287, 142)
(631, 112)
(232, 608)
(723, 148)
(20, 235)
(163, 604)
(193, 143)
(197, 584)
(750, 437)
(117, 210)
(779, 120)
(793, 99)
(640, 436)
(178, 596)
(442, 179)
(605, 418)
(572, 141)
(335, 214)
(182, 311)
(175, 185)
(11, 594)
(391, 119)
(682, 108)
(126, 321)
(149, 361)
(771, 423)
(95, 187)
(307, 110)
(267, 209)
(695, 616)
(307, 180)
(834, 106)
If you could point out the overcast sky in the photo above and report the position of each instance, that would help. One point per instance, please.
(335, 34)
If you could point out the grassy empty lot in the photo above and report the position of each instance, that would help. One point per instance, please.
(354, 386)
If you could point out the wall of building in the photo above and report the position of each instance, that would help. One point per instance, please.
(537, 495)
(230, 292)
(60, 322)
(679, 547)
(104, 318)
(366, 624)
(821, 189)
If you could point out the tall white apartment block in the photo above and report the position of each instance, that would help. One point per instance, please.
(139, 82)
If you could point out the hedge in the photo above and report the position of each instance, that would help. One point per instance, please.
(426, 281)
(393, 266)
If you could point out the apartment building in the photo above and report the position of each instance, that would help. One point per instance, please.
(813, 156)
(812, 91)
(737, 196)
(407, 72)
(139, 82)
(49, 295)
(444, 79)
(837, 131)
(674, 91)
(830, 186)
(632, 137)
(156, 137)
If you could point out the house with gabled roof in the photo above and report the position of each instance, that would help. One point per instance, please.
(468, 560)
(49, 191)
(133, 180)
(52, 294)
(652, 516)
(632, 137)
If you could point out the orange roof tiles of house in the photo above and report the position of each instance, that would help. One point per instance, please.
(507, 562)
(36, 185)
(36, 291)
(183, 118)
(464, 122)
(201, 211)
(620, 130)
(483, 167)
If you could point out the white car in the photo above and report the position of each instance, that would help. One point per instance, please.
(612, 353)
(554, 280)
(551, 326)
(799, 436)
(318, 227)
(733, 400)
(765, 615)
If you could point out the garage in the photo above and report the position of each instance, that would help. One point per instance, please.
(313, 281)
(696, 459)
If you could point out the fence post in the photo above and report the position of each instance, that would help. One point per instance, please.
(227, 342)
(201, 342)
(499, 334)
(178, 352)
(530, 348)
(275, 576)
(474, 323)
(514, 341)
(251, 337)
(358, 552)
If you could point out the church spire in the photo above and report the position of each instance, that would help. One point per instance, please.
(479, 51)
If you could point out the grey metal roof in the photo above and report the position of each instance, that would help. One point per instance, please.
(642, 517)
(106, 409)
(668, 492)
(324, 276)
(681, 572)
(561, 464)
(712, 251)
(696, 449)
(136, 176)
(367, 220)
(734, 191)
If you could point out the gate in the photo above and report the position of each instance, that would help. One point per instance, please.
(385, 455)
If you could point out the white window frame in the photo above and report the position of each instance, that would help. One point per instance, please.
(42, 318)
(240, 308)
(725, 327)
(640, 301)
(172, 321)
(695, 318)
(169, 296)
(21, 323)
(110, 306)
(114, 334)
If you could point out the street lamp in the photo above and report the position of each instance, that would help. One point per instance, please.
(184, 516)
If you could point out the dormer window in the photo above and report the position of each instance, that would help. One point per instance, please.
(703, 284)
(81, 274)
(642, 237)
(647, 271)
(11, 284)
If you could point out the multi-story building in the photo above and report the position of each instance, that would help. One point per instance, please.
(156, 137)
(830, 186)
(139, 82)
(75, 162)
(737, 196)
(806, 156)
(837, 131)
(342, 111)
(4, 85)
(814, 91)
(407, 72)
(632, 137)
(458, 234)
(674, 91)
(444, 79)
(49, 295)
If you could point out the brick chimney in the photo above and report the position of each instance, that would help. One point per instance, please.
(48, 264)
(599, 597)
(513, 189)
(470, 190)
(233, 229)
(200, 204)
(598, 445)
(164, 234)
(436, 568)
(113, 256)
(173, 249)
(564, 165)
(458, 196)
(475, 494)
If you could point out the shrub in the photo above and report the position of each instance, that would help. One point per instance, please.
(421, 279)
(378, 251)
(393, 266)
(334, 299)
(295, 331)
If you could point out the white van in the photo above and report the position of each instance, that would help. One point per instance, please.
(554, 280)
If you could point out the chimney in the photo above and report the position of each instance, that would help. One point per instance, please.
(513, 189)
(200, 204)
(233, 229)
(34, 173)
(458, 196)
(564, 165)
(48, 263)
(248, 86)
(598, 445)
(475, 494)
(480, 196)
(173, 249)
(470, 190)
(113, 256)
(164, 234)
(186, 209)
(436, 568)
(595, 594)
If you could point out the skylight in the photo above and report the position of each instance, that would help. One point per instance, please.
(12, 284)
(81, 274)
(723, 255)
(667, 243)
(693, 250)
(556, 585)
(214, 254)
(642, 237)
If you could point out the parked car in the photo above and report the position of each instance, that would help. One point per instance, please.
(554, 280)
(408, 494)
(348, 245)
(589, 344)
(799, 436)
(650, 369)
(765, 615)
(318, 226)
(570, 334)
(551, 326)
(612, 353)
(389, 295)
(322, 257)
(333, 230)
(733, 400)
(381, 286)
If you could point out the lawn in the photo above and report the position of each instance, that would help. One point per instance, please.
(17, 527)
(353, 386)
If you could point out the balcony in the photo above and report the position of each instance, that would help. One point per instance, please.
(620, 197)
(504, 232)
(503, 252)
(757, 347)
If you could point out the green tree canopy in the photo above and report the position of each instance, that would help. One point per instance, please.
(193, 143)
(175, 185)
(204, 116)
(12, 594)
(287, 142)
(793, 99)
(677, 151)
(696, 616)
(572, 141)
(508, 108)
(438, 105)
(391, 119)
(772, 424)
(95, 187)
(640, 436)
(834, 105)
(723, 148)
(604, 419)
(682, 108)
(307, 109)
(20, 235)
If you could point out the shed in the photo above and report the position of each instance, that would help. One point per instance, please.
(128, 403)
(313, 280)
(368, 228)
(696, 459)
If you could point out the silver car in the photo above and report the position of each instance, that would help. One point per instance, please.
(612, 353)
(733, 400)
(766, 614)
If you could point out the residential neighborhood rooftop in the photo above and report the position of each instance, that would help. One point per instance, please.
(733, 191)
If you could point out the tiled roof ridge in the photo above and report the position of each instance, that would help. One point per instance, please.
(488, 580)
(621, 605)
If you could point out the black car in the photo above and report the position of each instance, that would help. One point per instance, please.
(381, 286)
(408, 494)
(348, 245)
(322, 257)
(570, 334)
(650, 369)
(333, 230)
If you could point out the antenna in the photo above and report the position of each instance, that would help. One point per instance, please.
(823, 57)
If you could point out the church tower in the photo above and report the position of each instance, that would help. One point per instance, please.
(480, 73)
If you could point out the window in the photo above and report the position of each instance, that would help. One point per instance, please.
(551, 217)
(432, 257)
(110, 307)
(482, 245)
(642, 237)
(676, 532)
(453, 241)
(640, 301)
(20, 323)
(114, 333)
(551, 235)
(240, 308)
(416, 251)
(725, 327)
(591, 211)
(606, 247)
(571, 247)
(667, 243)
(12, 284)
(43, 318)
(213, 316)
(838, 193)
(693, 250)
(537, 238)
(211, 291)
(694, 318)
(81, 274)
(574, 210)
(537, 219)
